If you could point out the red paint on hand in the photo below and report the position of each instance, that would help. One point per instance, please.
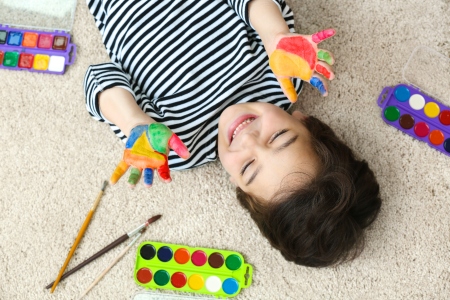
(164, 172)
(324, 71)
(300, 46)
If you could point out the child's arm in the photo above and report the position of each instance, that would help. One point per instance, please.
(266, 19)
(291, 55)
(119, 107)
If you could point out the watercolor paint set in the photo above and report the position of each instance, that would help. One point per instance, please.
(412, 109)
(35, 51)
(214, 272)
(35, 36)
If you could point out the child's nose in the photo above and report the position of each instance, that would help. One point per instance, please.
(249, 139)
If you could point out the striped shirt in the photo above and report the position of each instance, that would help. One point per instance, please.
(184, 62)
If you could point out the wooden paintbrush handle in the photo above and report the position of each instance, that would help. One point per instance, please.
(114, 244)
(112, 264)
(72, 250)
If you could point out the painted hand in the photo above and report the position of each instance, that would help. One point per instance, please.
(298, 56)
(146, 149)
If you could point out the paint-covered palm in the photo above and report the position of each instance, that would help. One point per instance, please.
(298, 56)
(146, 149)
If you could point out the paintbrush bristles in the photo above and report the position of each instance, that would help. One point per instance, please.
(153, 219)
(105, 183)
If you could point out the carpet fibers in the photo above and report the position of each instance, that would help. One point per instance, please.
(54, 158)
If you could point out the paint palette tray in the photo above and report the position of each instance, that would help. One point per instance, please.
(410, 107)
(219, 273)
(160, 296)
(34, 35)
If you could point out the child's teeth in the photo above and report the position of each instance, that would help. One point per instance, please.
(249, 120)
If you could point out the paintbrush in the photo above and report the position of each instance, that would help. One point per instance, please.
(109, 267)
(79, 236)
(114, 244)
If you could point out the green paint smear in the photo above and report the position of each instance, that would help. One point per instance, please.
(135, 174)
(159, 135)
(325, 56)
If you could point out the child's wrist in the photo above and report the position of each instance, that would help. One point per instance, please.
(135, 122)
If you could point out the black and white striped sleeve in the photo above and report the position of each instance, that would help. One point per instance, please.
(241, 9)
(99, 78)
(98, 11)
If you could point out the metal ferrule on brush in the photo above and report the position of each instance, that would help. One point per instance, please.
(149, 221)
(135, 231)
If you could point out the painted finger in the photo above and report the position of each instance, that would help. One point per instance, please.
(325, 70)
(178, 146)
(288, 89)
(319, 83)
(164, 173)
(135, 175)
(322, 35)
(159, 135)
(121, 168)
(148, 177)
(325, 56)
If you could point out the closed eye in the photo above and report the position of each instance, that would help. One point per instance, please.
(272, 138)
(276, 150)
(246, 166)
(277, 134)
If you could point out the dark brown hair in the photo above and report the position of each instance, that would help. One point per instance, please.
(320, 223)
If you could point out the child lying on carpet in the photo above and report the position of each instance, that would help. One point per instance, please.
(201, 68)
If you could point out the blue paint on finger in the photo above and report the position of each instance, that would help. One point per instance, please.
(318, 84)
(148, 176)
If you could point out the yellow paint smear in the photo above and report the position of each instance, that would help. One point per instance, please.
(285, 64)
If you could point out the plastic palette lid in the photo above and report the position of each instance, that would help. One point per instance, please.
(148, 295)
(47, 15)
(429, 71)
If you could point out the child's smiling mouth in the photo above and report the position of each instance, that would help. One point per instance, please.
(238, 125)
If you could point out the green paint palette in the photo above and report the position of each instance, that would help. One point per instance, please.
(220, 273)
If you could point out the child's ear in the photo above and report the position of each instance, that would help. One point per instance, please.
(298, 115)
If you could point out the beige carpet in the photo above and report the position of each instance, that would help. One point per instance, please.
(54, 158)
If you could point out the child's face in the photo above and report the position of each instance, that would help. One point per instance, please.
(260, 144)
